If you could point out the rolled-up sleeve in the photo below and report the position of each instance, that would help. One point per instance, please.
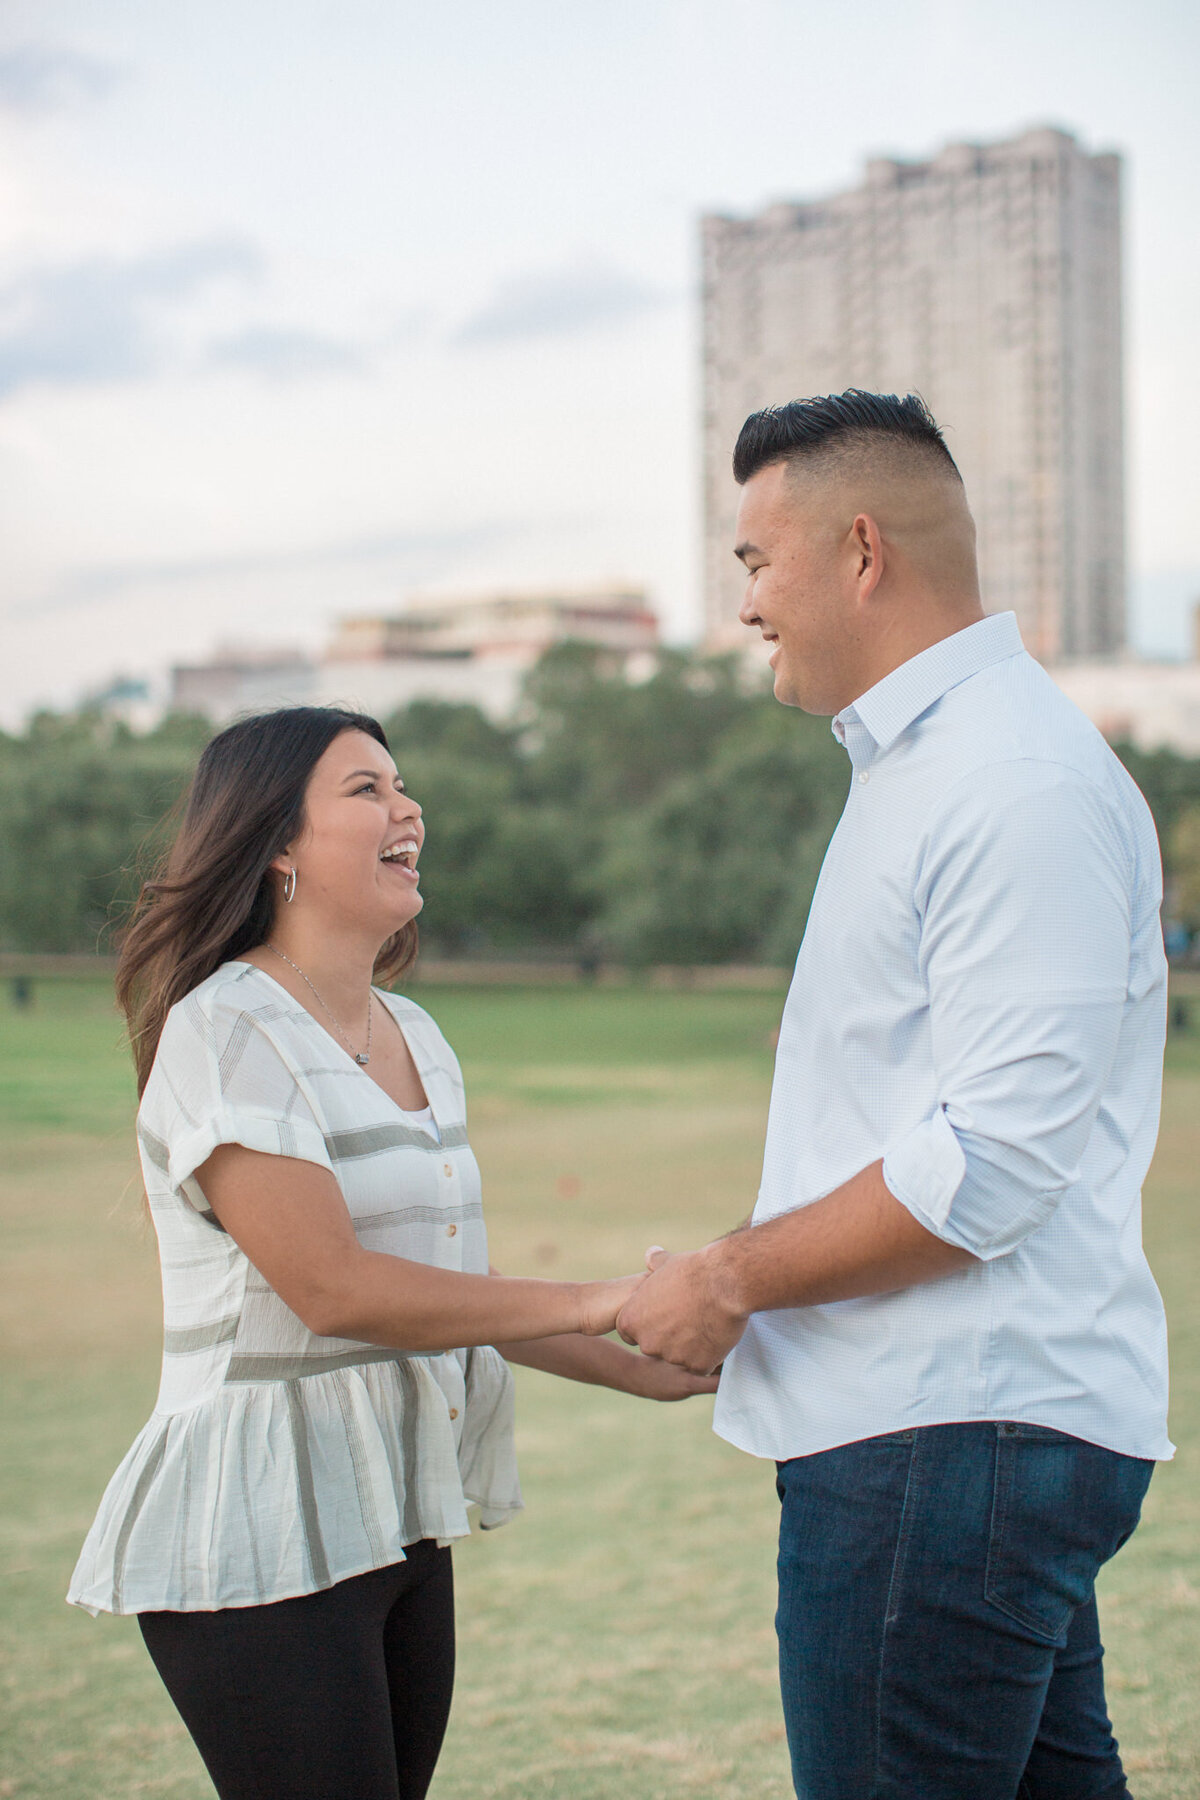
(219, 1079)
(1024, 897)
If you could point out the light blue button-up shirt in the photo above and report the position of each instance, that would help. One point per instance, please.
(980, 1000)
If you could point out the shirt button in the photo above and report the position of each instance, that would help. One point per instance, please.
(454, 1412)
(864, 775)
(452, 1231)
(447, 1169)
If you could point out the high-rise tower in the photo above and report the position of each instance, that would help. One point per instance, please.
(987, 279)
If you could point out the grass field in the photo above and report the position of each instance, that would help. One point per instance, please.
(617, 1639)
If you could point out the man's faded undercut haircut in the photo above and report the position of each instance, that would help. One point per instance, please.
(831, 428)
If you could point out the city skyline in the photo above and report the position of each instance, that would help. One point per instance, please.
(987, 279)
(413, 305)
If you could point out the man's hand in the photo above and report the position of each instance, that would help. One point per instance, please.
(691, 1310)
(684, 1311)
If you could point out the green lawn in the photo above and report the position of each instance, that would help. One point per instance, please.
(617, 1638)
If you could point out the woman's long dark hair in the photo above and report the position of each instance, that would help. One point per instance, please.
(212, 898)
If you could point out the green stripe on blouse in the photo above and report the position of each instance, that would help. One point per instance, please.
(306, 1491)
(294, 1366)
(181, 1340)
(370, 1140)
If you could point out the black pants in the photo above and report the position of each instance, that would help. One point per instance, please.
(340, 1695)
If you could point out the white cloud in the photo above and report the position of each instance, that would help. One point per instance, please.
(558, 303)
(41, 78)
(97, 320)
(280, 354)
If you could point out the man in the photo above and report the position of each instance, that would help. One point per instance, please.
(939, 1322)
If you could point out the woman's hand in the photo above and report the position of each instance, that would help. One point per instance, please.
(604, 1363)
(601, 1301)
(655, 1380)
(588, 1353)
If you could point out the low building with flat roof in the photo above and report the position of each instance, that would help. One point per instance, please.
(478, 648)
(1153, 705)
(241, 679)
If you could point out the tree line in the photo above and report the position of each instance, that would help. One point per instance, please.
(680, 819)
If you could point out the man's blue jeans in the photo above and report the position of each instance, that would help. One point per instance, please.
(938, 1637)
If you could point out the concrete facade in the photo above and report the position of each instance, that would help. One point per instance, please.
(520, 624)
(988, 279)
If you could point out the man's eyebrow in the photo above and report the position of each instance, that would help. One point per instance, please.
(745, 550)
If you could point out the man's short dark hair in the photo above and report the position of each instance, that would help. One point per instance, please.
(830, 423)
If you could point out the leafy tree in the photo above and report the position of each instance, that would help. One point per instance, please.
(599, 741)
(1184, 847)
(1170, 782)
(450, 729)
(678, 819)
(82, 803)
(722, 863)
(494, 871)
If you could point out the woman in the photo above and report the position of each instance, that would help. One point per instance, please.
(331, 1401)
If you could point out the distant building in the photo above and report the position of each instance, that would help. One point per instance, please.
(989, 280)
(477, 648)
(241, 679)
(1153, 705)
(133, 699)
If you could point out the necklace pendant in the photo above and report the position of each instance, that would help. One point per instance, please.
(361, 1058)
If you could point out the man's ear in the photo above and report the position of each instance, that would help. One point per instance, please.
(868, 554)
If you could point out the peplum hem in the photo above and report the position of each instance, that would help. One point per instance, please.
(271, 1489)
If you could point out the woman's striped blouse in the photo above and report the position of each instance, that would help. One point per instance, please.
(277, 1462)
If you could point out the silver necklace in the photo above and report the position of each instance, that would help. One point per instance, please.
(361, 1057)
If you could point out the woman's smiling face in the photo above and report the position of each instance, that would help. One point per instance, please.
(355, 858)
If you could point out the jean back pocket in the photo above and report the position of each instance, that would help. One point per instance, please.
(1060, 1508)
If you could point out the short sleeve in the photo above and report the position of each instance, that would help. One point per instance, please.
(219, 1078)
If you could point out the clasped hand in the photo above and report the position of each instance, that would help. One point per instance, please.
(683, 1312)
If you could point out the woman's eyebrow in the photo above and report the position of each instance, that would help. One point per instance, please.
(372, 775)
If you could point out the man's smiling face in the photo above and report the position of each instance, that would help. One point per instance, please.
(789, 543)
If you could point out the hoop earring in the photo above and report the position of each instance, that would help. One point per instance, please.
(289, 886)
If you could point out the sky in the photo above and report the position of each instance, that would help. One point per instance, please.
(305, 307)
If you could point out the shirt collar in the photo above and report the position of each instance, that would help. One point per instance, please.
(875, 720)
